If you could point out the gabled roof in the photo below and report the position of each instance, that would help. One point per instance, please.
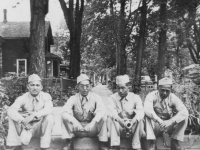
(18, 29)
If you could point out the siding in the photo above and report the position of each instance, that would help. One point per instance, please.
(13, 49)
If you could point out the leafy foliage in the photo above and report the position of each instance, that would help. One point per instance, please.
(4, 102)
(189, 93)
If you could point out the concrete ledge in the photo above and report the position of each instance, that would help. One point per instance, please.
(192, 143)
(86, 143)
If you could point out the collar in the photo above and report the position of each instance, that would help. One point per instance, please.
(127, 98)
(87, 97)
(37, 97)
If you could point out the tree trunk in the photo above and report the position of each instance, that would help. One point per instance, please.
(37, 37)
(74, 23)
(162, 40)
(140, 45)
(120, 48)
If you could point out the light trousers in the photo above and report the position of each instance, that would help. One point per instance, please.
(43, 130)
(99, 129)
(116, 131)
(176, 130)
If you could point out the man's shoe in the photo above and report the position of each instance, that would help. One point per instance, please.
(68, 145)
(150, 145)
(175, 145)
(18, 148)
(104, 146)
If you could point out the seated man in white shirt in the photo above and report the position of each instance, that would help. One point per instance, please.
(165, 112)
(35, 118)
(125, 115)
(84, 115)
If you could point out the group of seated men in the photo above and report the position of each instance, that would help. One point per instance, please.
(85, 115)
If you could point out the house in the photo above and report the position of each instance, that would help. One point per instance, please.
(15, 47)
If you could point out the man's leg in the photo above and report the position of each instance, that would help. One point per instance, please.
(14, 131)
(152, 131)
(177, 134)
(67, 131)
(103, 133)
(114, 133)
(102, 129)
(179, 130)
(46, 129)
(99, 129)
(137, 134)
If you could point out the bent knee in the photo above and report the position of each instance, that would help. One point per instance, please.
(64, 116)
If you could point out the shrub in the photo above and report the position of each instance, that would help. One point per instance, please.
(189, 93)
(4, 102)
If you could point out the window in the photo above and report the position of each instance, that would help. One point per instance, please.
(21, 67)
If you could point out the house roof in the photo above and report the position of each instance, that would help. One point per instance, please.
(18, 29)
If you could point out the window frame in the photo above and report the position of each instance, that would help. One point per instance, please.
(18, 60)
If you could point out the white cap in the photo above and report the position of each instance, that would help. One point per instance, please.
(82, 77)
(123, 79)
(34, 77)
(165, 81)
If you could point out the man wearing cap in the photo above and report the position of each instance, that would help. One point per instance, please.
(30, 115)
(165, 112)
(84, 115)
(125, 106)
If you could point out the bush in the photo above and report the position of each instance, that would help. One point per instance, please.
(17, 86)
(4, 102)
(189, 93)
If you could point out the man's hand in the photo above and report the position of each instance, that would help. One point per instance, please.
(89, 127)
(166, 123)
(120, 121)
(28, 119)
(77, 126)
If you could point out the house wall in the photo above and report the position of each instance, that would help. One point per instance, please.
(13, 49)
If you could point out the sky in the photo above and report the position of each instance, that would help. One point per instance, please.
(19, 10)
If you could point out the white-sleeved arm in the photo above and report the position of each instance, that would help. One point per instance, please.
(148, 107)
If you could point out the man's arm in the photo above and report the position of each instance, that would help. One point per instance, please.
(14, 108)
(100, 109)
(148, 108)
(67, 110)
(180, 107)
(112, 110)
(139, 108)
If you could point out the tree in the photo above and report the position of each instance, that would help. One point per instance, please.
(37, 36)
(141, 44)
(162, 39)
(110, 25)
(187, 27)
(73, 17)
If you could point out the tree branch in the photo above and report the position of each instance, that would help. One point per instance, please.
(66, 12)
(131, 13)
(192, 55)
(192, 51)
